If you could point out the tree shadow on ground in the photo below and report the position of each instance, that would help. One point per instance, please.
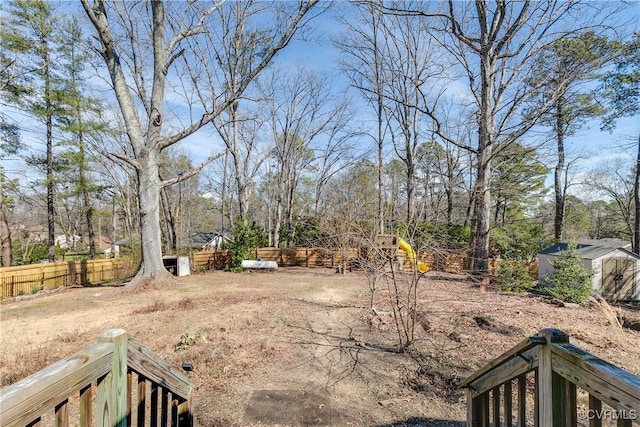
(424, 422)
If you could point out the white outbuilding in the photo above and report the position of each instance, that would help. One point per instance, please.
(616, 270)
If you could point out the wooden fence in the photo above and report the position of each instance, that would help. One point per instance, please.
(116, 382)
(29, 279)
(315, 257)
(546, 381)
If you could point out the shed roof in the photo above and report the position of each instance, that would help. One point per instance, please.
(586, 251)
(201, 238)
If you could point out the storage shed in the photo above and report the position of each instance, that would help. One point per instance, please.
(616, 269)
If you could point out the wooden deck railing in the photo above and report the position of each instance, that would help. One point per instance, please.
(116, 382)
(546, 381)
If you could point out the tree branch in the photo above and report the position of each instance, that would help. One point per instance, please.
(192, 172)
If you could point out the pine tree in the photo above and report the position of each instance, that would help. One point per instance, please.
(29, 33)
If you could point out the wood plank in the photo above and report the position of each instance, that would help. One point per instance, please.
(148, 364)
(471, 410)
(484, 410)
(522, 400)
(62, 414)
(508, 404)
(174, 413)
(103, 401)
(536, 399)
(129, 396)
(520, 364)
(86, 412)
(153, 416)
(571, 404)
(545, 387)
(164, 408)
(595, 407)
(24, 401)
(141, 405)
(184, 415)
(118, 410)
(515, 352)
(610, 384)
(495, 395)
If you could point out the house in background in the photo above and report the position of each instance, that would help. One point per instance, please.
(208, 241)
(104, 245)
(67, 241)
(616, 270)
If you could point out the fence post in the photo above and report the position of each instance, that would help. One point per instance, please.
(550, 392)
(118, 393)
(71, 273)
(84, 274)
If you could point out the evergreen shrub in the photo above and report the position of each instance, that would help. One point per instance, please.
(514, 277)
(570, 280)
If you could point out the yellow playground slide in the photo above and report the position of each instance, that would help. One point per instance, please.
(422, 267)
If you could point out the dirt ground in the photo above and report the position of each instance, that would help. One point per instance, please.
(300, 346)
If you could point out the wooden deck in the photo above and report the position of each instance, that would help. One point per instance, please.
(548, 382)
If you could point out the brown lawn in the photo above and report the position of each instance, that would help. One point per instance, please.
(300, 346)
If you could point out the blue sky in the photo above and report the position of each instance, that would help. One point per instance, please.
(321, 55)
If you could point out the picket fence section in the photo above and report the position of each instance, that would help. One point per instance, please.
(350, 258)
(30, 279)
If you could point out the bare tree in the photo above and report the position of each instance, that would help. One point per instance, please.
(615, 181)
(302, 112)
(413, 73)
(363, 44)
(141, 85)
(494, 45)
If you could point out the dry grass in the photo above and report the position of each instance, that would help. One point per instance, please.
(18, 363)
(307, 329)
(156, 306)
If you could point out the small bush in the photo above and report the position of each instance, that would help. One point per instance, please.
(245, 238)
(570, 281)
(188, 340)
(514, 277)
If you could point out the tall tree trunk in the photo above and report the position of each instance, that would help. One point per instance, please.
(149, 200)
(5, 232)
(114, 227)
(380, 162)
(84, 187)
(223, 193)
(636, 199)
(241, 182)
(169, 220)
(277, 223)
(449, 193)
(558, 222)
(51, 237)
(479, 244)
